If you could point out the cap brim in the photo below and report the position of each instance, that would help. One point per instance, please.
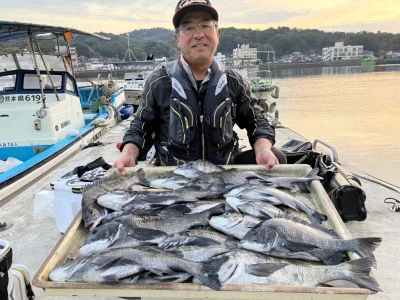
(184, 10)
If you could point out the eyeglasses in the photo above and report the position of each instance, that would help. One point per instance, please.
(190, 28)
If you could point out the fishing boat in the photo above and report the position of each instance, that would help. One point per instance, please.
(44, 116)
(266, 91)
(133, 88)
(369, 61)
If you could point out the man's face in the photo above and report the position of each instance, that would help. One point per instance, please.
(198, 47)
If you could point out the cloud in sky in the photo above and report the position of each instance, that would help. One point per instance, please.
(120, 16)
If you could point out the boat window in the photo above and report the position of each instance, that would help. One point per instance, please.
(7, 82)
(7, 63)
(53, 63)
(70, 85)
(31, 82)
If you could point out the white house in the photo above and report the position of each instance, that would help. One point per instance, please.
(342, 52)
(245, 52)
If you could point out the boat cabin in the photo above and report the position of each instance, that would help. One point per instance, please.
(37, 109)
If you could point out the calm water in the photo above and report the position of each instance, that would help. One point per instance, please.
(354, 110)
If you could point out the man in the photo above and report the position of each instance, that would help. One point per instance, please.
(190, 106)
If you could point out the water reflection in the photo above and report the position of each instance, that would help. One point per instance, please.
(296, 72)
(355, 112)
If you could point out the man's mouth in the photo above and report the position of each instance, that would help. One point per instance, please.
(199, 46)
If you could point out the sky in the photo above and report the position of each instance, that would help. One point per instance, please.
(122, 16)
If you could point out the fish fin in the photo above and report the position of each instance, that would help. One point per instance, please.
(109, 263)
(361, 269)
(161, 271)
(303, 187)
(299, 247)
(177, 252)
(317, 217)
(313, 174)
(285, 185)
(201, 242)
(217, 209)
(101, 181)
(140, 235)
(217, 185)
(367, 245)
(140, 174)
(232, 245)
(209, 272)
(335, 259)
(293, 218)
(271, 199)
(265, 269)
(180, 207)
(261, 214)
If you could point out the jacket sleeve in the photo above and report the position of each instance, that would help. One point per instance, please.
(144, 123)
(249, 114)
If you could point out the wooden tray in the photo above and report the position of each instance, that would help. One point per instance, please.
(76, 234)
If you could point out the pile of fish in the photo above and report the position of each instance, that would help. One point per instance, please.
(207, 224)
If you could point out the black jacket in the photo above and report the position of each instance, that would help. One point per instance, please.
(196, 131)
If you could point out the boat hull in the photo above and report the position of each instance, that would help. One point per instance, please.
(132, 97)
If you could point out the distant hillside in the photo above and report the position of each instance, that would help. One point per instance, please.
(153, 34)
(160, 42)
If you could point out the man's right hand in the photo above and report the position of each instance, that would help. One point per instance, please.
(127, 158)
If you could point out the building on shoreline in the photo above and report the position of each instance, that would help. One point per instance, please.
(342, 52)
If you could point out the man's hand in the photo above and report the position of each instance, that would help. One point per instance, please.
(264, 154)
(127, 158)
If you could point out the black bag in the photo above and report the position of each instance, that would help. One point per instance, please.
(5, 265)
(344, 189)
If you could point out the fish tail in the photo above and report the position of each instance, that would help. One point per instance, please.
(141, 176)
(209, 272)
(360, 273)
(317, 217)
(313, 174)
(365, 246)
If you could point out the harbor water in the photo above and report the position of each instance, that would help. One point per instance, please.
(352, 108)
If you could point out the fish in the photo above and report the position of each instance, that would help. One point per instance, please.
(140, 201)
(148, 277)
(233, 177)
(229, 178)
(194, 207)
(193, 169)
(247, 267)
(119, 235)
(92, 212)
(287, 238)
(275, 196)
(258, 209)
(169, 221)
(171, 182)
(197, 237)
(234, 224)
(290, 181)
(112, 265)
(202, 253)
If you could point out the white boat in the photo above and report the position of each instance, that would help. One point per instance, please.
(133, 88)
(44, 116)
(263, 87)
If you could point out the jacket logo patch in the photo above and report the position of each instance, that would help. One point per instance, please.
(177, 86)
(221, 84)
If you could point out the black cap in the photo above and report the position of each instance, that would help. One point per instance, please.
(185, 6)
